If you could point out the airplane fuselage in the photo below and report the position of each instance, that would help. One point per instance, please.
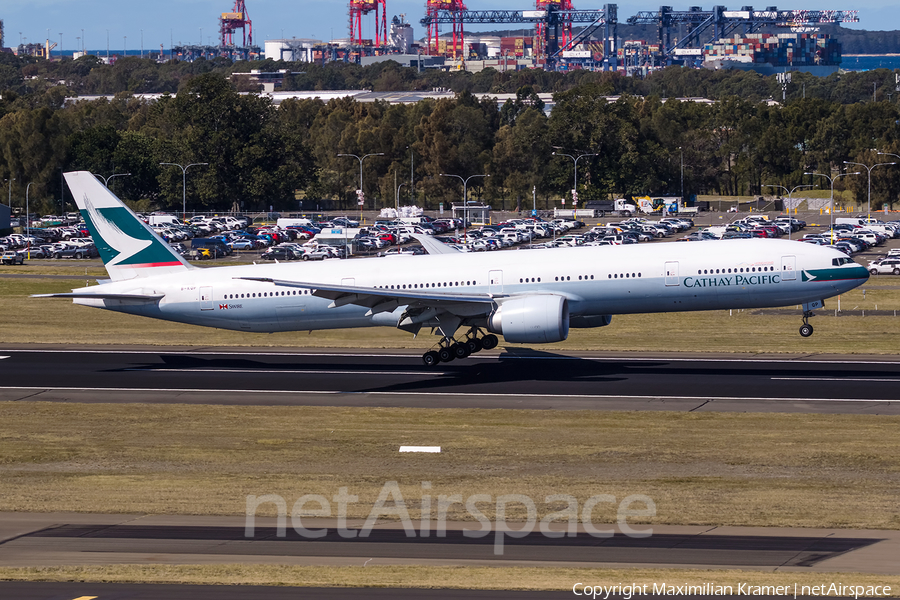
(595, 281)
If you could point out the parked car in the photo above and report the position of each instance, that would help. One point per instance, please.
(885, 265)
(75, 252)
(11, 257)
(279, 254)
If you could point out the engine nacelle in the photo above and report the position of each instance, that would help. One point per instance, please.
(589, 321)
(537, 319)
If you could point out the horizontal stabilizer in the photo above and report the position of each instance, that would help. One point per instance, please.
(142, 297)
(433, 246)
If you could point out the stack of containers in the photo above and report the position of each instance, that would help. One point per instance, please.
(781, 50)
(515, 46)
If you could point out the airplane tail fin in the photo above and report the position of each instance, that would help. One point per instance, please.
(128, 247)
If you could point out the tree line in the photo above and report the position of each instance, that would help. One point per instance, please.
(286, 156)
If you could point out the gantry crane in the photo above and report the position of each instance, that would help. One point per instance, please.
(358, 8)
(704, 26)
(565, 27)
(444, 11)
(232, 21)
(551, 19)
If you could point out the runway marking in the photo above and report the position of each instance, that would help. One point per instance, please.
(893, 380)
(281, 371)
(778, 360)
(448, 394)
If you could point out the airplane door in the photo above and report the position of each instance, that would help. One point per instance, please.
(788, 268)
(206, 298)
(672, 273)
(495, 279)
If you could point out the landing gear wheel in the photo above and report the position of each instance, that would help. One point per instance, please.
(431, 358)
(445, 354)
(806, 330)
(460, 350)
(474, 345)
(490, 341)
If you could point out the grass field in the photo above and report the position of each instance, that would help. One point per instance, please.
(699, 468)
(486, 578)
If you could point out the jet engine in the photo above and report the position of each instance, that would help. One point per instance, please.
(536, 319)
(590, 321)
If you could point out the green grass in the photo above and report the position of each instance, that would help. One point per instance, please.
(699, 468)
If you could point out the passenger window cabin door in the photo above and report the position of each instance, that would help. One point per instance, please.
(495, 281)
(788, 268)
(672, 273)
(206, 298)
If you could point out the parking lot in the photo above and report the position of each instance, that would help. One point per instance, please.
(233, 240)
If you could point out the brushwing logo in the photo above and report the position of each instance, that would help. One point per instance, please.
(125, 245)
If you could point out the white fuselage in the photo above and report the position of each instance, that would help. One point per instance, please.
(604, 280)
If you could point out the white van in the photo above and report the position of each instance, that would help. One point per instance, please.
(285, 223)
(850, 221)
(163, 220)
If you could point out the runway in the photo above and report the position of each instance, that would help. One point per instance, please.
(508, 379)
(51, 539)
(73, 539)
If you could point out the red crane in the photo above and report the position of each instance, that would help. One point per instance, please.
(232, 21)
(432, 7)
(565, 35)
(358, 8)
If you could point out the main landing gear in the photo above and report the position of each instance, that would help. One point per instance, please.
(450, 349)
(806, 329)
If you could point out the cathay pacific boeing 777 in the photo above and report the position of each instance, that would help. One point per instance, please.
(530, 297)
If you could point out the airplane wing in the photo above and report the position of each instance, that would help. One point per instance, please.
(380, 299)
(433, 246)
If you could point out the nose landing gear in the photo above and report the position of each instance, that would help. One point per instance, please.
(450, 349)
(806, 329)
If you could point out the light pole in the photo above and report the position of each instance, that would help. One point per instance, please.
(869, 169)
(412, 180)
(9, 200)
(360, 196)
(27, 222)
(790, 193)
(831, 207)
(889, 154)
(680, 149)
(397, 199)
(574, 189)
(465, 201)
(184, 184)
(105, 180)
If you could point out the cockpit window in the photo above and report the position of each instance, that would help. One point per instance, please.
(841, 261)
